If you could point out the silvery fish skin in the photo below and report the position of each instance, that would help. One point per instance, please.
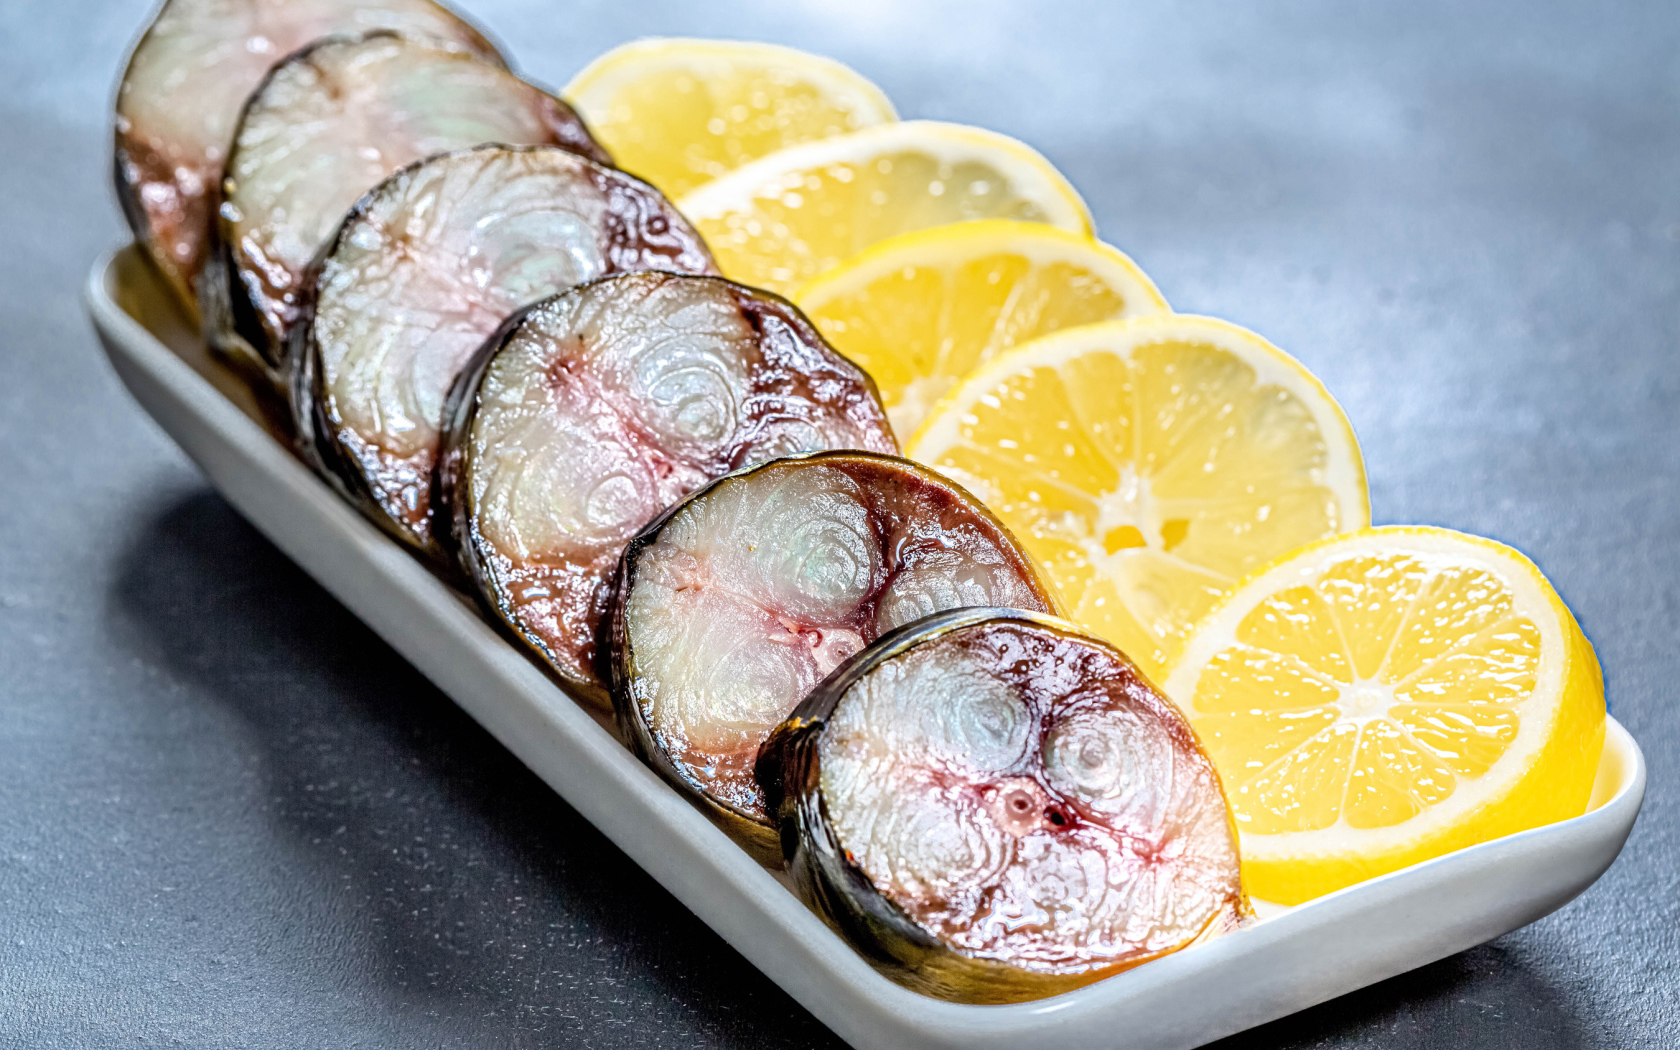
(995, 808)
(421, 272)
(327, 125)
(591, 412)
(733, 605)
(181, 94)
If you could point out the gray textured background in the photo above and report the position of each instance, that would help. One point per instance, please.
(230, 817)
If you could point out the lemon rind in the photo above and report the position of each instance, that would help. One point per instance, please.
(598, 83)
(1038, 243)
(1302, 865)
(1031, 175)
(1344, 473)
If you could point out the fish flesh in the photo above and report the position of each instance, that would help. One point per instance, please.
(421, 272)
(732, 606)
(328, 124)
(181, 94)
(994, 807)
(591, 412)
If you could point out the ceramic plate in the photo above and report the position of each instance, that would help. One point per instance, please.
(1292, 959)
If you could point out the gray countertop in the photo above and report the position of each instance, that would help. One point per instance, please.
(231, 817)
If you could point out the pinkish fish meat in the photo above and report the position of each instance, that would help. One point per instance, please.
(733, 606)
(422, 271)
(592, 412)
(182, 91)
(996, 808)
(327, 125)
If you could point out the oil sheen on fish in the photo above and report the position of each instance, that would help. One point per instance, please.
(180, 97)
(735, 604)
(422, 271)
(327, 125)
(590, 413)
(996, 808)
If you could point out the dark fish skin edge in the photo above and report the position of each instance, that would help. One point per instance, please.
(128, 198)
(452, 526)
(788, 771)
(452, 513)
(763, 843)
(316, 430)
(134, 213)
(230, 323)
(301, 377)
(762, 840)
(313, 429)
(232, 326)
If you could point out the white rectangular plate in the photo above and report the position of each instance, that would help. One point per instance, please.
(1294, 958)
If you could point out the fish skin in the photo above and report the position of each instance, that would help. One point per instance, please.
(412, 278)
(972, 939)
(326, 125)
(181, 93)
(723, 573)
(661, 382)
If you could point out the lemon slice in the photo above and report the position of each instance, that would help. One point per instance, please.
(1384, 697)
(921, 310)
(681, 112)
(782, 219)
(1148, 465)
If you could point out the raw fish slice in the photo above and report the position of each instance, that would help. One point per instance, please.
(422, 271)
(732, 607)
(590, 413)
(327, 125)
(996, 808)
(182, 91)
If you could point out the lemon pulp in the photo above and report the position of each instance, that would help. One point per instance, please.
(1384, 697)
(680, 112)
(1150, 464)
(782, 219)
(921, 310)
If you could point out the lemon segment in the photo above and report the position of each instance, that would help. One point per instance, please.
(1380, 698)
(921, 310)
(680, 112)
(783, 219)
(1150, 464)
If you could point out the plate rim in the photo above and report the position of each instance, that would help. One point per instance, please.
(812, 963)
